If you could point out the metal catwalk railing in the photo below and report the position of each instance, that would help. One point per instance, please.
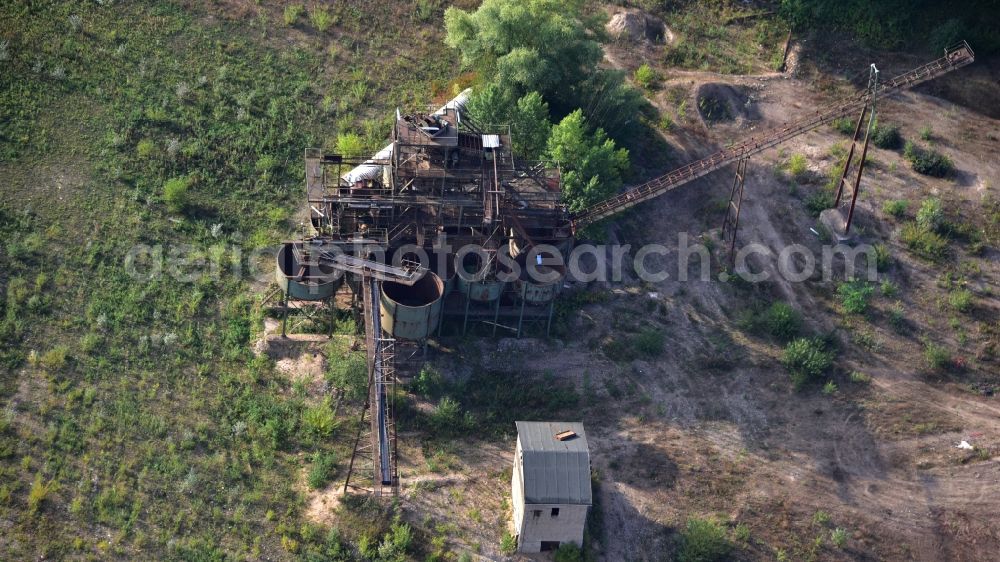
(955, 57)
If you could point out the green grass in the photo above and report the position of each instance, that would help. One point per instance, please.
(724, 37)
(703, 540)
(161, 426)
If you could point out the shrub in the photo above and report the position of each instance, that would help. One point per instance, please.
(175, 194)
(927, 162)
(447, 415)
(38, 493)
(319, 420)
(895, 208)
(323, 469)
(782, 321)
(145, 148)
(797, 166)
(806, 359)
(428, 382)
(860, 378)
(960, 300)
(348, 372)
(882, 257)
(350, 144)
(508, 544)
(926, 132)
(888, 289)
(854, 296)
(936, 356)
(830, 388)
(645, 76)
(923, 242)
(292, 13)
(820, 200)
(930, 217)
(703, 541)
(838, 537)
(321, 19)
(396, 542)
(54, 359)
(844, 125)
(649, 342)
(887, 137)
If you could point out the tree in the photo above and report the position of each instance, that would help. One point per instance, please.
(592, 165)
(528, 45)
(529, 117)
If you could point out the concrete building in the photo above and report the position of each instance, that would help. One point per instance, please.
(550, 484)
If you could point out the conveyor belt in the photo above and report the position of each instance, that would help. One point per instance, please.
(954, 58)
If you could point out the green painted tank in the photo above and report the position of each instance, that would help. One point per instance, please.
(411, 312)
(315, 282)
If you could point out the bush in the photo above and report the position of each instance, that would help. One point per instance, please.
(319, 420)
(292, 13)
(321, 19)
(649, 342)
(645, 76)
(936, 356)
(844, 125)
(883, 258)
(428, 382)
(508, 544)
(854, 296)
(323, 469)
(860, 378)
(350, 144)
(446, 416)
(806, 360)
(38, 493)
(146, 148)
(703, 541)
(348, 372)
(175, 194)
(782, 321)
(887, 137)
(797, 166)
(838, 537)
(930, 217)
(927, 162)
(923, 242)
(820, 201)
(960, 300)
(895, 208)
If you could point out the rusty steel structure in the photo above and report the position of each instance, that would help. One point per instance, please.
(445, 181)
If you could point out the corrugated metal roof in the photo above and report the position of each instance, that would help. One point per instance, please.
(554, 471)
(491, 141)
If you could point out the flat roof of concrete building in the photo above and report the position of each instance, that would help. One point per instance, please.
(556, 462)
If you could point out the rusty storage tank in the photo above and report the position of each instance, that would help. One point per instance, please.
(411, 312)
(315, 282)
(485, 290)
(544, 287)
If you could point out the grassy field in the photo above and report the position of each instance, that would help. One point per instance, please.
(138, 423)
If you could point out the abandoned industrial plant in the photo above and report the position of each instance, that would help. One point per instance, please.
(500, 280)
